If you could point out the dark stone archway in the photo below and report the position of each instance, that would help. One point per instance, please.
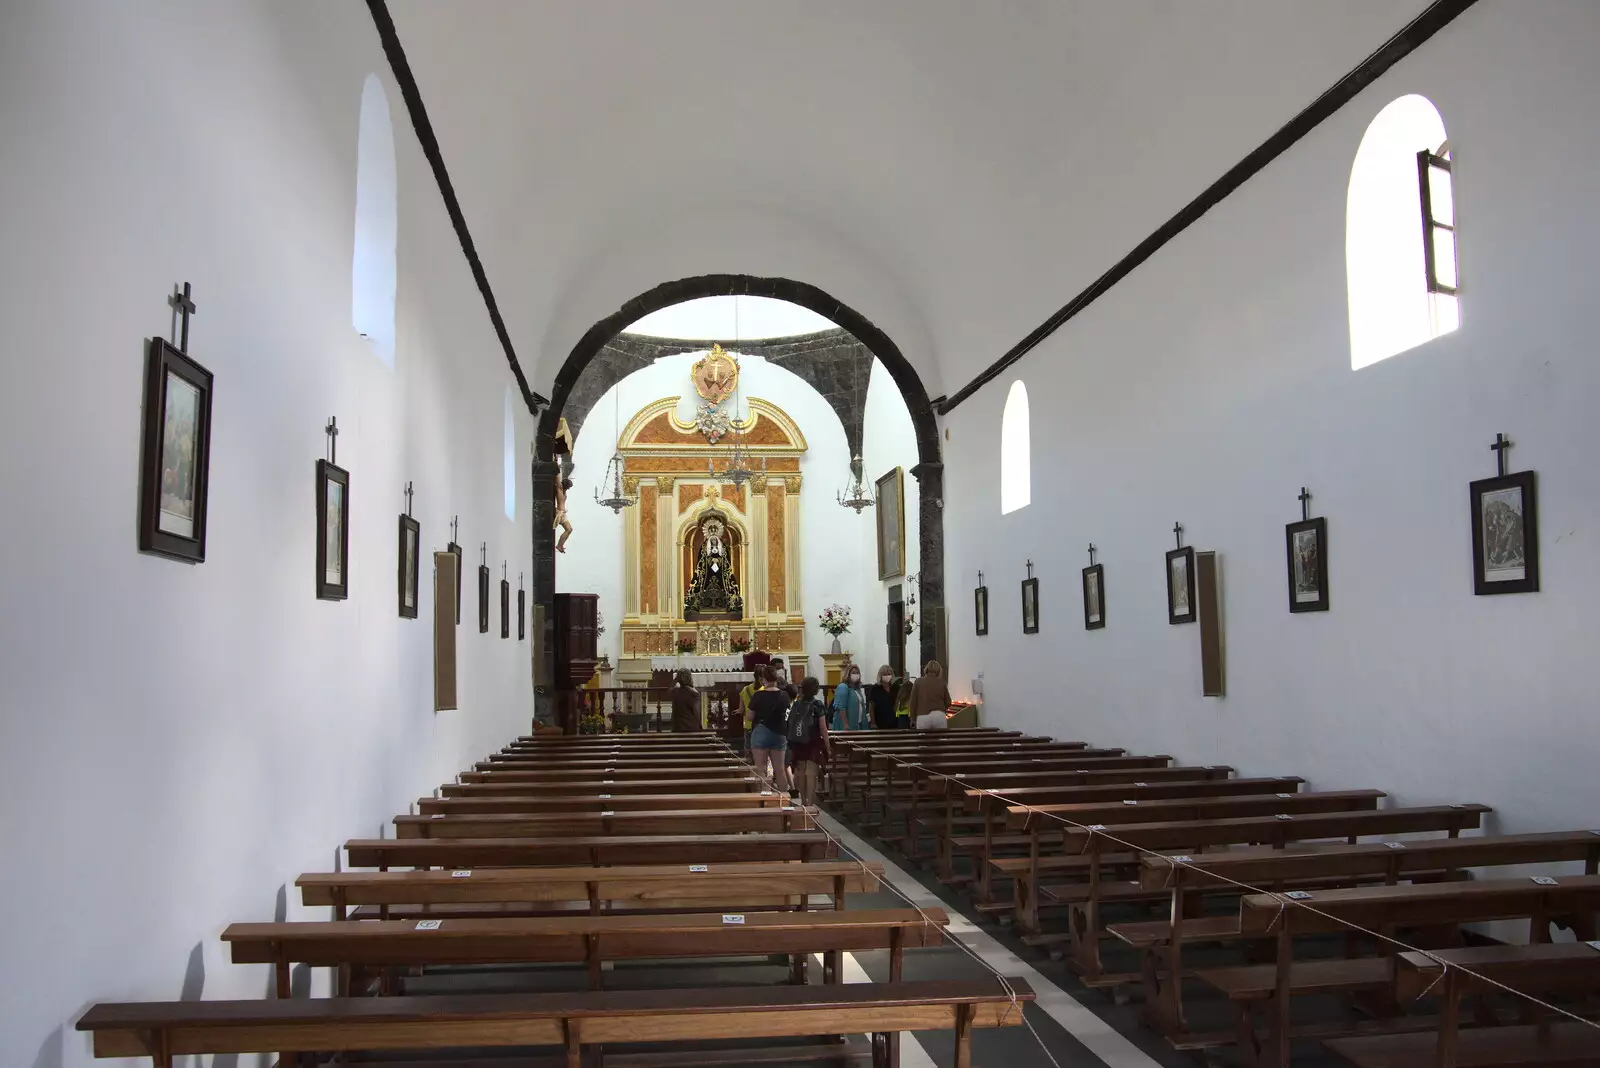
(929, 471)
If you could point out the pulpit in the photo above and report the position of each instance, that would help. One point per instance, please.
(576, 655)
(833, 668)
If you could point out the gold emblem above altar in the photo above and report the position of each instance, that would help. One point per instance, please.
(715, 375)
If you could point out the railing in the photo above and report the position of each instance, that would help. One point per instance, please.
(640, 710)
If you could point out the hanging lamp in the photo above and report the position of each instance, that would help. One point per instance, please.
(618, 500)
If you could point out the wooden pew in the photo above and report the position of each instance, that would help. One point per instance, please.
(678, 886)
(165, 1030)
(617, 773)
(563, 788)
(705, 763)
(1454, 974)
(913, 767)
(1383, 909)
(599, 802)
(608, 822)
(1296, 866)
(590, 940)
(845, 742)
(385, 853)
(1277, 829)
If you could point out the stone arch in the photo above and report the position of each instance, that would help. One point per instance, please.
(929, 471)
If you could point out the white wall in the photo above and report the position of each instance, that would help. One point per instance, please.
(177, 742)
(888, 441)
(1215, 381)
(834, 566)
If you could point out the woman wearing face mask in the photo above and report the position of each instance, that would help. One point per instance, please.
(849, 707)
(880, 699)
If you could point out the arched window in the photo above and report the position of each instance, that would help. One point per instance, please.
(372, 268)
(1016, 452)
(1400, 240)
(511, 458)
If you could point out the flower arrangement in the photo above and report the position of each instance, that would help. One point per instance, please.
(685, 645)
(835, 619)
(740, 645)
(591, 723)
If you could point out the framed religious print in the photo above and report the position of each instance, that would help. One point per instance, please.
(1030, 606)
(980, 609)
(1180, 585)
(333, 532)
(522, 614)
(455, 550)
(483, 599)
(1094, 597)
(1505, 535)
(892, 525)
(505, 608)
(1306, 542)
(176, 461)
(410, 537)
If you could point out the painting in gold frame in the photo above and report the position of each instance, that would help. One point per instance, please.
(892, 524)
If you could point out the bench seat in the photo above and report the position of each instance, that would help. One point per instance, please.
(1148, 934)
(1256, 982)
(1479, 1047)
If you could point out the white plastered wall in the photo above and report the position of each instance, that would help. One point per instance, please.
(178, 742)
(888, 441)
(1215, 381)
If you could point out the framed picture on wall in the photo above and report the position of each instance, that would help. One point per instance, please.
(176, 460)
(1094, 597)
(333, 532)
(891, 525)
(522, 614)
(483, 599)
(505, 608)
(1505, 535)
(1306, 544)
(410, 538)
(980, 609)
(1030, 606)
(455, 549)
(1180, 585)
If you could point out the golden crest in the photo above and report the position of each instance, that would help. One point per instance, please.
(715, 375)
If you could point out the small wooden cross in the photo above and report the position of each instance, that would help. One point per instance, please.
(332, 430)
(1305, 503)
(1030, 569)
(483, 552)
(980, 578)
(184, 307)
(408, 499)
(455, 527)
(1177, 532)
(502, 571)
(1501, 444)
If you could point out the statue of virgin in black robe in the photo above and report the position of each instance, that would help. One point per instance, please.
(714, 588)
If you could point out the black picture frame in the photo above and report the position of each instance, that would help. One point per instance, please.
(175, 421)
(522, 615)
(454, 548)
(1305, 546)
(1176, 603)
(1030, 606)
(409, 555)
(980, 610)
(483, 599)
(1505, 534)
(1094, 597)
(505, 608)
(333, 530)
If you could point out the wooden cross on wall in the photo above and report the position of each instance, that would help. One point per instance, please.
(182, 306)
(408, 500)
(1305, 503)
(332, 430)
(1501, 446)
(1177, 532)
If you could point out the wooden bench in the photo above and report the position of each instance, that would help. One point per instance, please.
(961, 767)
(163, 1031)
(680, 886)
(1185, 880)
(615, 773)
(385, 853)
(563, 788)
(1386, 909)
(350, 947)
(535, 762)
(599, 802)
(535, 825)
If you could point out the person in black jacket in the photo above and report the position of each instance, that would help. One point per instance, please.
(767, 722)
(880, 699)
(685, 704)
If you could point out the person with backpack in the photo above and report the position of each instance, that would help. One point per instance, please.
(767, 722)
(808, 739)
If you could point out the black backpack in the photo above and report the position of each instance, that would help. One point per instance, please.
(800, 723)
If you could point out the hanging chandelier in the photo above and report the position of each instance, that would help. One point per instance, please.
(618, 500)
(858, 499)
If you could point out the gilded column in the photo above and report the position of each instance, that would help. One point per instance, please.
(630, 552)
(649, 547)
(756, 587)
(791, 518)
(666, 557)
(777, 548)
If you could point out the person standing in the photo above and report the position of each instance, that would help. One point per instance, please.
(930, 699)
(767, 722)
(811, 754)
(880, 699)
(685, 703)
(848, 704)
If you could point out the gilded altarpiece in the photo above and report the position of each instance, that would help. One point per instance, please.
(690, 516)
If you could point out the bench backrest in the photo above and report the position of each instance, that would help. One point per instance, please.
(602, 849)
(1136, 810)
(1277, 829)
(1410, 904)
